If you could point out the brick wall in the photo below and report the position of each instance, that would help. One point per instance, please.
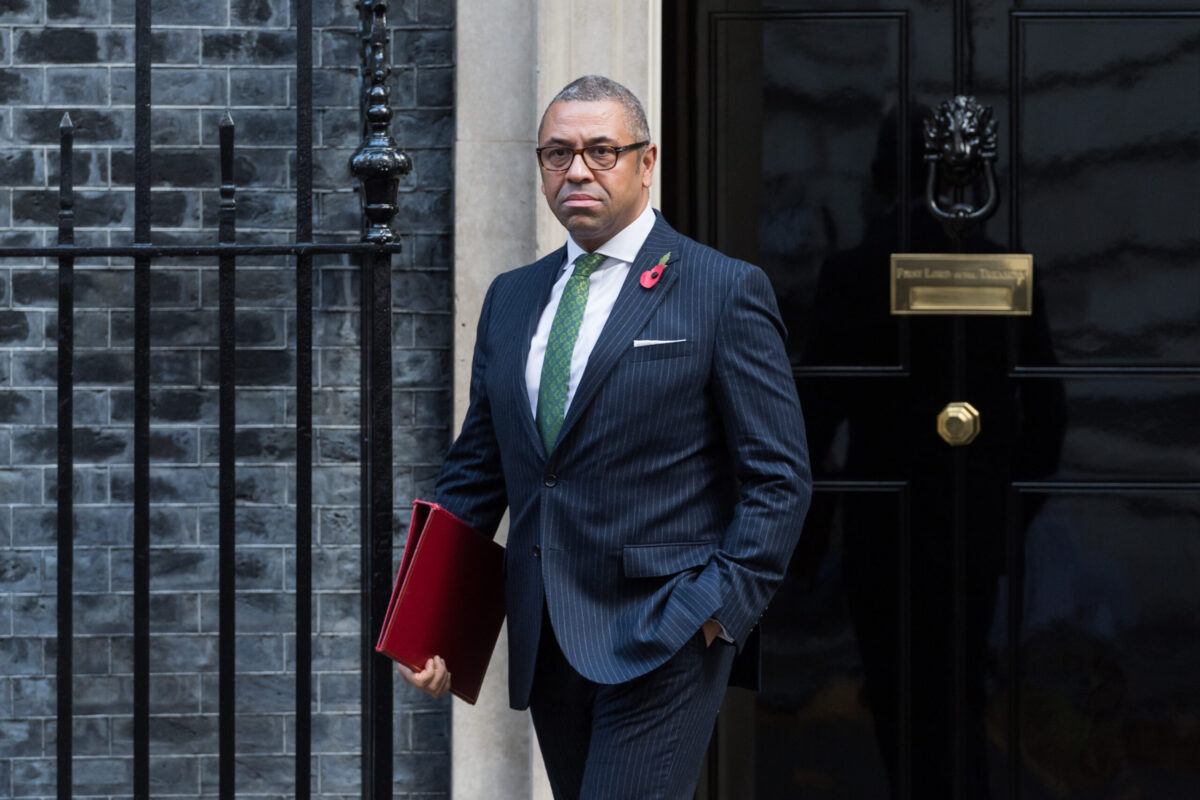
(76, 56)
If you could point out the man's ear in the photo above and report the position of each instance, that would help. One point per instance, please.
(648, 160)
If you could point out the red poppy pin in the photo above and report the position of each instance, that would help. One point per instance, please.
(651, 276)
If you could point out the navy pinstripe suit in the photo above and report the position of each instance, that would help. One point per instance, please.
(679, 483)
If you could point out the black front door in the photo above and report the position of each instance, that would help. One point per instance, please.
(1020, 616)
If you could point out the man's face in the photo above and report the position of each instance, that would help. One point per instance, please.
(594, 205)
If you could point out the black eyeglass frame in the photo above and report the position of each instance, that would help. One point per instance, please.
(582, 153)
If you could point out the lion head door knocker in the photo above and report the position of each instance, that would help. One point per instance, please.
(960, 138)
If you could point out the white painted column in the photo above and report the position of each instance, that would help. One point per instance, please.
(512, 57)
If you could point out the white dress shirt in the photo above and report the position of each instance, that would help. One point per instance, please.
(603, 287)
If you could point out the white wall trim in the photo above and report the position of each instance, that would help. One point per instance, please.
(500, 223)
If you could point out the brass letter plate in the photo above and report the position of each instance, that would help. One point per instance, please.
(962, 283)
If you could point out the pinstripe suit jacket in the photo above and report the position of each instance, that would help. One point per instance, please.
(679, 483)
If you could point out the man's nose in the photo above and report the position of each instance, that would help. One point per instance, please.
(578, 172)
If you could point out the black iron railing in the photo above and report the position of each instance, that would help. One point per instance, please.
(379, 166)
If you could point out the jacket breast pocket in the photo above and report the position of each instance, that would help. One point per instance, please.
(653, 352)
(656, 560)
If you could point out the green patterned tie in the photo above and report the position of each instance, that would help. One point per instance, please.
(556, 369)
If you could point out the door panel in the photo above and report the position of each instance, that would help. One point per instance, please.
(1015, 618)
(1108, 144)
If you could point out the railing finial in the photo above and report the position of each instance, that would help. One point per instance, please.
(379, 164)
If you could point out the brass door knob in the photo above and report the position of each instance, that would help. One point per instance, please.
(958, 424)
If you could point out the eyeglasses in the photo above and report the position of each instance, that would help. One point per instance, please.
(556, 158)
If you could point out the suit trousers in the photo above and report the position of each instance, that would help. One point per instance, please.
(644, 739)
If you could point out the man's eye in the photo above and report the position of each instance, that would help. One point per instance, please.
(558, 152)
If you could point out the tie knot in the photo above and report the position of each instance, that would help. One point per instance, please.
(586, 264)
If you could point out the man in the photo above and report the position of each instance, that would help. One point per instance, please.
(632, 405)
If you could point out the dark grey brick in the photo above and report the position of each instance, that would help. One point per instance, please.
(430, 731)
(92, 573)
(21, 86)
(435, 86)
(432, 330)
(335, 486)
(170, 485)
(78, 11)
(340, 48)
(337, 368)
(420, 773)
(20, 406)
(89, 735)
(258, 444)
(248, 47)
(336, 568)
(173, 126)
(437, 12)
(90, 169)
(175, 46)
(256, 368)
(337, 613)
(22, 738)
(59, 45)
(20, 572)
(258, 209)
(417, 368)
(422, 291)
(255, 127)
(90, 486)
(339, 289)
(256, 612)
(34, 616)
(421, 445)
(171, 167)
(340, 211)
(259, 13)
(73, 86)
(170, 405)
(269, 288)
(91, 329)
(20, 11)
(92, 126)
(22, 329)
(186, 12)
(425, 211)
(189, 87)
(339, 692)
(92, 209)
(338, 129)
(423, 47)
(256, 774)
(341, 775)
(338, 526)
(258, 87)
(333, 88)
(338, 446)
(35, 776)
(170, 734)
(332, 653)
(330, 732)
(23, 486)
(434, 169)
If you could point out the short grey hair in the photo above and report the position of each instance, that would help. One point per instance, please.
(597, 88)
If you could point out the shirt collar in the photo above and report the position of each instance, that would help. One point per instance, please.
(622, 247)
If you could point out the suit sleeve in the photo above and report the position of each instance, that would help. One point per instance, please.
(471, 481)
(755, 394)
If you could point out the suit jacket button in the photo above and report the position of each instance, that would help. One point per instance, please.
(537, 551)
(550, 480)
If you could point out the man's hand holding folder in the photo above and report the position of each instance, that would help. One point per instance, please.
(433, 680)
(447, 606)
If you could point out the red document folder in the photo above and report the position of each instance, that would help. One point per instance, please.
(448, 599)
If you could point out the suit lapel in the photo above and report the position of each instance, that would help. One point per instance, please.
(540, 283)
(630, 312)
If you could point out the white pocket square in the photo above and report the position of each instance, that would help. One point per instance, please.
(651, 342)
